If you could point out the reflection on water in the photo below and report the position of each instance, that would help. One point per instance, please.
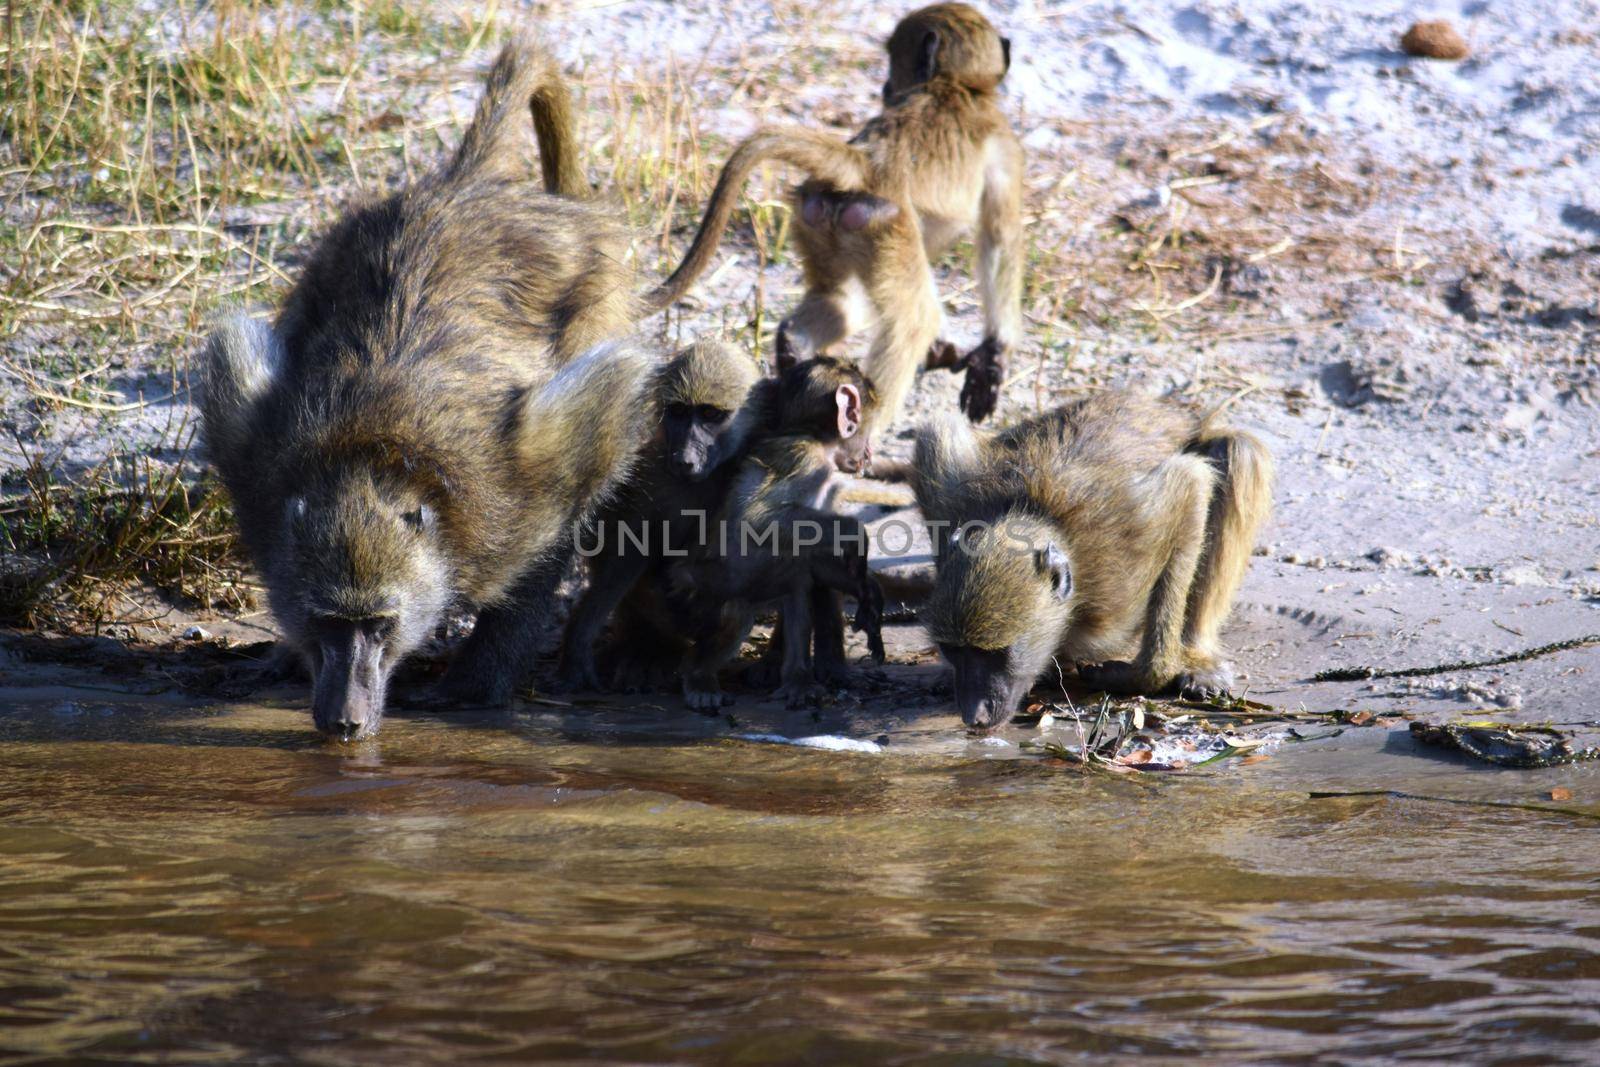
(185, 885)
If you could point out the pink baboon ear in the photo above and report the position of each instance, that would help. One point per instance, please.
(847, 401)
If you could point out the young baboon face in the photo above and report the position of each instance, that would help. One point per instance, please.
(707, 416)
(831, 401)
(1000, 604)
(368, 585)
(700, 438)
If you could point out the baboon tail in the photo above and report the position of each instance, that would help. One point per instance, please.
(1242, 503)
(525, 76)
(822, 156)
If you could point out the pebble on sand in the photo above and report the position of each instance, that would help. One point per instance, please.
(1434, 40)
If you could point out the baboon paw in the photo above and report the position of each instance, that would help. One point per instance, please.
(578, 676)
(1207, 683)
(807, 694)
(832, 675)
(792, 347)
(944, 354)
(705, 701)
(986, 371)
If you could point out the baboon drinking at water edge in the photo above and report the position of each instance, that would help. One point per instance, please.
(1114, 524)
(435, 407)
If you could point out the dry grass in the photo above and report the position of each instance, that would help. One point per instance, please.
(159, 161)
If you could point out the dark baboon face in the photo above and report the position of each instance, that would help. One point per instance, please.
(987, 689)
(364, 584)
(700, 438)
(998, 609)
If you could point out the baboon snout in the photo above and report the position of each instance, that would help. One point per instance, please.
(348, 692)
(984, 714)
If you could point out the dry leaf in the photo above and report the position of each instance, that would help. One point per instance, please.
(1560, 793)
(1257, 758)
(1360, 718)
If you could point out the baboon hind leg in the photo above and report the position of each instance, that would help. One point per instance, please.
(1238, 506)
(822, 319)
(1183, 497)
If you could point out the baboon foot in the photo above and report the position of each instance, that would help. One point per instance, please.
(986, 371)
(1206, 683)
(834, 674)
(704, 695)
(869, 618)
(578, 674)
(792, 346)
(640, 674)
(801, 694)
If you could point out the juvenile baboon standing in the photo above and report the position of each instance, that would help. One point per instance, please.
(938, 162)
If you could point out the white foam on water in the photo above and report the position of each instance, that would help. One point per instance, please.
(827, 742)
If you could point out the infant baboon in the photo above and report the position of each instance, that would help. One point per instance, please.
(433, 409)
(712, 403)
(1114, 523)
(939, 161)
(778, 539)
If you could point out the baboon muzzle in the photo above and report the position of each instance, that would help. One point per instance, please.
(347, 696)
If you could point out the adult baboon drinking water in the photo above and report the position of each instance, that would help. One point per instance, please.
(438, 402)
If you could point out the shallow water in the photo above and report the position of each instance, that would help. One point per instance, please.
(626, 886)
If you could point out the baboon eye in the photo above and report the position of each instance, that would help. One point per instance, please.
(419, 517)
(680, 411)
(713, 416)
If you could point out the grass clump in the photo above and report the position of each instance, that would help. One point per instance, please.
(74, 554)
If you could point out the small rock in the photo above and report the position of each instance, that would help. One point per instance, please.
(1389, 557)
(197, 633)
(1523, 574)
(1560, 793)
(1434, 40)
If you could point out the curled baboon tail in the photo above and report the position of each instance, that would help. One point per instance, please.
(822, 156)
(1241, 503)
(525, 81)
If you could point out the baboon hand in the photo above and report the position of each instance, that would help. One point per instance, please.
(869, 618)
(943, 353)
(578, 672)
(986, 370)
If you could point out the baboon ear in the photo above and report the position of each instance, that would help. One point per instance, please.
(927, 55)
(420, 518)
(847, 402)
(1052, 563)
(1005, 55)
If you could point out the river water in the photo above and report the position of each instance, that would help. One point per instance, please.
(191, 884)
